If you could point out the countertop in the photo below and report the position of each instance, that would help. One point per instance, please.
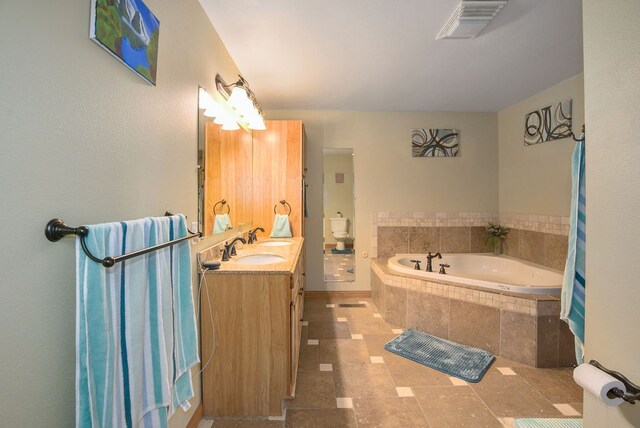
(291, 253)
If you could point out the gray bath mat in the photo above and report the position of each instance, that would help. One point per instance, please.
(457, 360)
(548, 423)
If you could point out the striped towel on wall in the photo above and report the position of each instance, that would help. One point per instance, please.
(136, 331)
(573, 284)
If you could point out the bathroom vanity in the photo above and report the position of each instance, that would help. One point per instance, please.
(251, 332)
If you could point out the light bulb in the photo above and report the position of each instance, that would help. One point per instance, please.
(204, 99)
(238, 97)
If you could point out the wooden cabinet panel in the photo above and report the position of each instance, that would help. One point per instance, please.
(277, 173)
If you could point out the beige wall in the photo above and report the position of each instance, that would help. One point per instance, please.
(86, 140)
(612, 109)
(537, 179)
(338, 196)
(387, 178)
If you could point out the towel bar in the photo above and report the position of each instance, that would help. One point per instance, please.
(56, 229)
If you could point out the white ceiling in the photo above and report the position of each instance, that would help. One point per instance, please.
(382, 54)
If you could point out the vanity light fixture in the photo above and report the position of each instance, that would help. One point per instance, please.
(243, 101)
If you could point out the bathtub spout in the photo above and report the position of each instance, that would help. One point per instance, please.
(429, 257)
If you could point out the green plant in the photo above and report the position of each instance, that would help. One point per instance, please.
(495, 235)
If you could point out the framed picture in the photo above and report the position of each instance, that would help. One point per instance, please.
(548, 123)
(129, 31)
(435, 143)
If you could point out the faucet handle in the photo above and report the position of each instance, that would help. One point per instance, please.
(417, 262)
(442, 266)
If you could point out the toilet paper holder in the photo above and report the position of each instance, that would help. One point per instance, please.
(633, 390)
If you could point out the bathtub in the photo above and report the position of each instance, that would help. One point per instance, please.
(484, 271)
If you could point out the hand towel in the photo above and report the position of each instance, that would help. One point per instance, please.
(135, 334)
(574, 281)
(281, 227)
(221, 223)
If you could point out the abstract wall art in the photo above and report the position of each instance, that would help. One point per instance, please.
(548, 123)
(129, 31)
(435, 143)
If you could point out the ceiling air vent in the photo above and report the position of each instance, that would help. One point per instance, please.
(470, 18)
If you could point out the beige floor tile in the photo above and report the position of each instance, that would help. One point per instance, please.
(313, 418)
(329, 330)
(308, 358)
(369, 325)
(409, 373)
(454, 407)
(402, 420)
(511, 396)
(386, 405)
(343, 351)
(363, 380)
(375, 343)
(314, 390)
(557, 385)
(246, 423)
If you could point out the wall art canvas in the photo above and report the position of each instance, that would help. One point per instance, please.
(435, 143)
(548, 123)
(129, 31)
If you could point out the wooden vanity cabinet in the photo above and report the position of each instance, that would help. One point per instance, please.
(250, 354)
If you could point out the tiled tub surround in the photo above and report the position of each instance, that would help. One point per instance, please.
(534, 238)
(522, 328)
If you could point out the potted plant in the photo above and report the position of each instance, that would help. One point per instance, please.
(495, 235)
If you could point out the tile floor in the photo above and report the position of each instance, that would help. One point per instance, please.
(336, 267)
(347, 379)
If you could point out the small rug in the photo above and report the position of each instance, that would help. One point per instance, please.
(548, 423)
(461, 361)
(345, 251)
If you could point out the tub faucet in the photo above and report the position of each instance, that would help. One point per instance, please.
(417, 262)
(442, 266)
(230, 249)
(252, 234)
(429, 257)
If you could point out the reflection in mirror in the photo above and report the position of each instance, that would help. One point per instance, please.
(224, 174)
(339, 214)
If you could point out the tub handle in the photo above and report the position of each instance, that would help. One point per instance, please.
(442, 266)
(417, 262)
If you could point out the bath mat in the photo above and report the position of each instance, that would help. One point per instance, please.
(345, 251)
(457, 360)
(548, 423)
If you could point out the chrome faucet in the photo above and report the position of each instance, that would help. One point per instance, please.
(230, 249)
(252, 234)
(429, 257)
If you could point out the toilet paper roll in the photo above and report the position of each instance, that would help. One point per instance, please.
(598, 383)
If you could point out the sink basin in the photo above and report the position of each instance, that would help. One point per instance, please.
(260, 259)
(275, 243)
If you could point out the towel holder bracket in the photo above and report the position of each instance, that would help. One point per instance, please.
(56, 229)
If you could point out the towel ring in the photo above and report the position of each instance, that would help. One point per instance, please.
(222, 202)
(283, 202)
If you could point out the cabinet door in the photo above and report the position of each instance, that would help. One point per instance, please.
(277, 173)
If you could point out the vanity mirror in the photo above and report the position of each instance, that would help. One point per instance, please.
(225, 163)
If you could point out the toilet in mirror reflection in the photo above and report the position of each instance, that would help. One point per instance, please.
(339, 215)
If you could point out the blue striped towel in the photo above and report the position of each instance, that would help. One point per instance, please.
(573, 284)
(135, 326)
